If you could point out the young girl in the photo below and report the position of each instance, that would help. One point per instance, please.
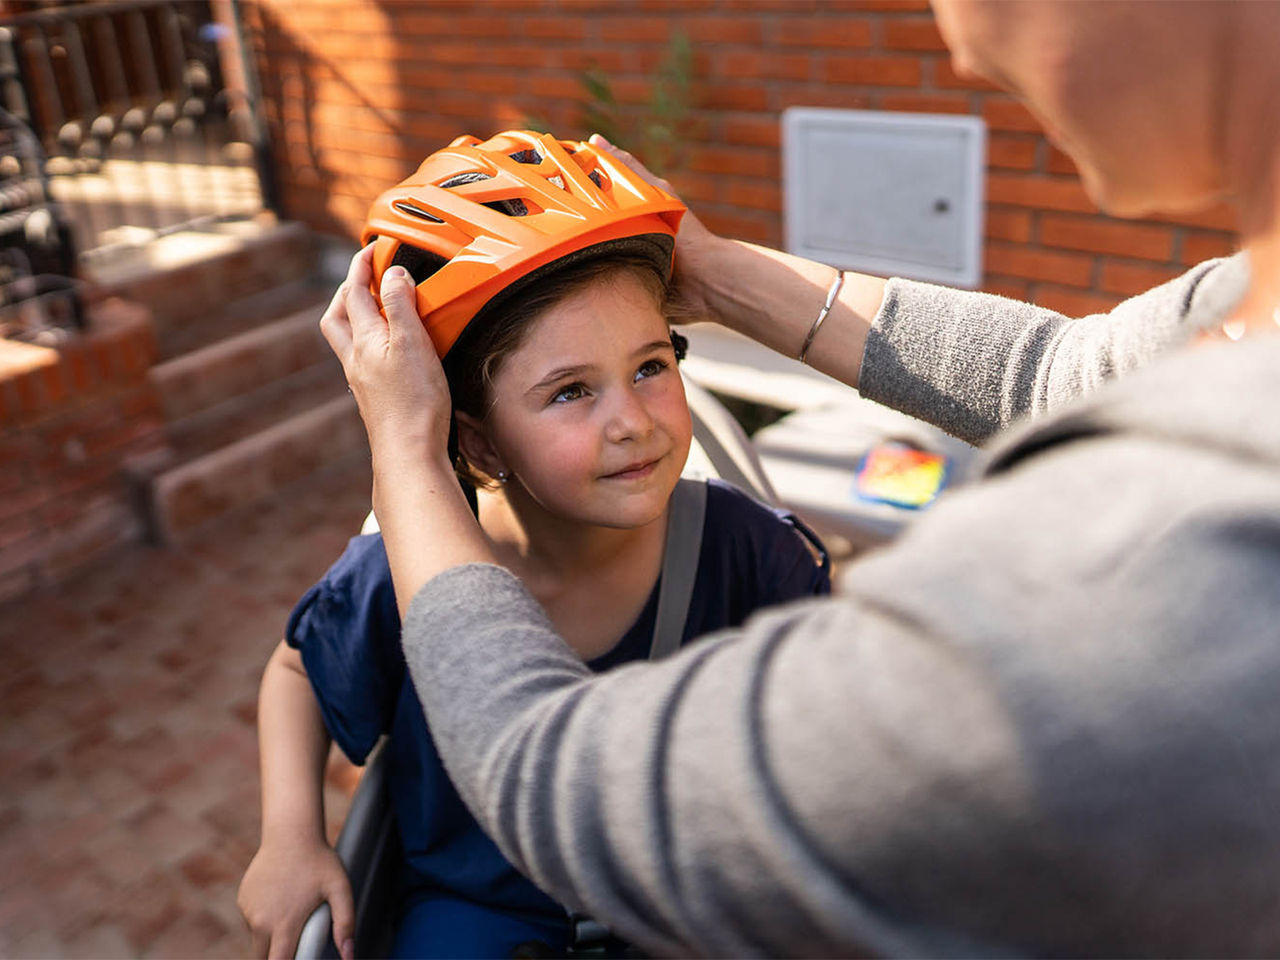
(542, 274)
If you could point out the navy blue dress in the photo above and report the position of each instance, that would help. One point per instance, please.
(461, 896)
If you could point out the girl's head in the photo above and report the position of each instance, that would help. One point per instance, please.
(568, 397)
(541, 269)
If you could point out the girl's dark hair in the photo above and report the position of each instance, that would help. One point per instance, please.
(475, 359)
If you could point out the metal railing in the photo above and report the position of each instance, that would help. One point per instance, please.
(38, 293)
(143, 112)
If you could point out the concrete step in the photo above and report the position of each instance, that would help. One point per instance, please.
(221, 372)
(189, 495)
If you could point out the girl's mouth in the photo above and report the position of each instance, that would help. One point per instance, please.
(635, 471)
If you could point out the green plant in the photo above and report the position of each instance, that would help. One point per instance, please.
(657, 135)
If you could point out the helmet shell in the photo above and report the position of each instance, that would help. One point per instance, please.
(475, 218)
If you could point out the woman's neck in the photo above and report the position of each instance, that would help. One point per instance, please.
(1259, 310)
(1251, 141)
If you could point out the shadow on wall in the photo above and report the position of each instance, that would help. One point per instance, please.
(338, 141)
(286, 88)
(336, 145)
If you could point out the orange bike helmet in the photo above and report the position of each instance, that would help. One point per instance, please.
(478, 221)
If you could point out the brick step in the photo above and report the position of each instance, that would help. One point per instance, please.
(247, 417)
(240, 365)
(250, 413)
(200, 285)
(244, 314)
(188, 496)
(253, 399)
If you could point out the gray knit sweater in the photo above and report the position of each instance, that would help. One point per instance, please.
(1046, 720)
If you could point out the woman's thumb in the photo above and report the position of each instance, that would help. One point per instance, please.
(399, 300)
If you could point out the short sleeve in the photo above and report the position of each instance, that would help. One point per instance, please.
(752, 557)
(800, 567)
(347, 628)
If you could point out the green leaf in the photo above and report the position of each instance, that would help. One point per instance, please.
(531, 121)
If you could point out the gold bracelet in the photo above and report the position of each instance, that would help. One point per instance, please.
(836, 284)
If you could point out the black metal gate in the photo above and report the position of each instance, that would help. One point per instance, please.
(125, 121)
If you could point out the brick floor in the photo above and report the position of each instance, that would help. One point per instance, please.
(129, 806)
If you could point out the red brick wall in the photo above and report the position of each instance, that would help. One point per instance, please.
(356, 92)
(73, 418)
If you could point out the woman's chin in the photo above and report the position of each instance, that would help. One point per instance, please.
(1133, 197)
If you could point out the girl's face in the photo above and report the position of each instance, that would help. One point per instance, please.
(589, 413)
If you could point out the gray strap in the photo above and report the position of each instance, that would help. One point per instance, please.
(685, 516)
(726, 444)
(725, 466)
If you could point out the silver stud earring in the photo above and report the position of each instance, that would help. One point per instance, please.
(503, 476)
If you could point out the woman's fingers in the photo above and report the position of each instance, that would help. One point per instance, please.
(390, 364)
(644, 173)
(362, 309)
(335, 326)
(335, 322)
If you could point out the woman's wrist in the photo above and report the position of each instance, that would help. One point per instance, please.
(696, 260)
(417, 493)
(403, 455)
(402, 472)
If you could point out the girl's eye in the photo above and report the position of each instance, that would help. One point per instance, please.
(650, 368)
(574, 391)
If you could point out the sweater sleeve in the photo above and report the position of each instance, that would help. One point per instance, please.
(973, 363)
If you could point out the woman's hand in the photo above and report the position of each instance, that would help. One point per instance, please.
(393, 370)
(770, 296)
(692, 241)
(285, 882)
(390, 363)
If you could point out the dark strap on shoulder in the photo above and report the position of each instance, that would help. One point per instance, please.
(685, 516)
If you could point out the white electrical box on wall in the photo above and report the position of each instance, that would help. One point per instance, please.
(892, 194)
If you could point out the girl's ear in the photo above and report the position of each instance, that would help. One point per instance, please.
(474, 445)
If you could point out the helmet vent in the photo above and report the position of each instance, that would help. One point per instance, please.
(557, 180)
(420, 263)
(412, 210)
(475, 176)
(528, 155)
(515, 207)
(596, 178)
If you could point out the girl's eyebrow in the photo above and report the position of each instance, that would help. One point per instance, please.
(561, 372)
(654, 345)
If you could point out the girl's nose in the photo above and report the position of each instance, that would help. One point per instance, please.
(629, 419)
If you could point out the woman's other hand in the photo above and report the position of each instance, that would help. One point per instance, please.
(691, 241)
(770, 296)
(285, 882)
(390, 363)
